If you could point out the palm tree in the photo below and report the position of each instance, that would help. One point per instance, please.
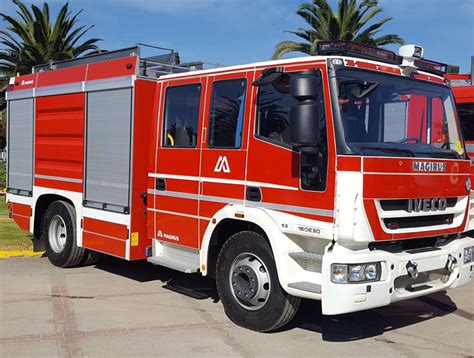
(32, 39)
(349, 23)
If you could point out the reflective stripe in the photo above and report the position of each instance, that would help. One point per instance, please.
(222, 181)
(50, 177)
(225, 200)
(109, 83)
(180, 214)
(75, 87)
(219, 199)
(20, 94)
(175, 194)
(59, 89)
(291, 208)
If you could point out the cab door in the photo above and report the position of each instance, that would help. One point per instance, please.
(288, 184)
(224, 143)
(177, 162)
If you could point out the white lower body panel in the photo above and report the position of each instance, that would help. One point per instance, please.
(394, 285)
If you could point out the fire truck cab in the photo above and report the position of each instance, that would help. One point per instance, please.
(341, 177)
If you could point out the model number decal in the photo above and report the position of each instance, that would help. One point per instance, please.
(309, 229)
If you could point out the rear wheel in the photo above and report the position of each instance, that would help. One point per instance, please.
(90, 258)
(60, 235)
(247, 282)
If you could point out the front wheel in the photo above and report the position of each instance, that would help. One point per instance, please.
(247, 282)
(60, 235)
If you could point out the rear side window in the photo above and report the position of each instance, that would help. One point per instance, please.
(227, 114)
(181, 116)
(274, 103)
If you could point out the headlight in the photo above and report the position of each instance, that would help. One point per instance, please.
(371, 272)
(355, 273)
(468, 251)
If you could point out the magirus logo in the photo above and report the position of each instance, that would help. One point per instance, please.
(163, 235)
(429, 166)
(222, 165)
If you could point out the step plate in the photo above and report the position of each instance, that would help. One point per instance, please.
(180, 258)
(308, 261)
(306, 286)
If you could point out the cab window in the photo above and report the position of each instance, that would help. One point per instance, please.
(227, 114)
(181, 116)
(273, 111)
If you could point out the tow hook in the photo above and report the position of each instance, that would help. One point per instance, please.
(412, 269)
(451, 263)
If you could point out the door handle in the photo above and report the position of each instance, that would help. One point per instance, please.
(253, 193)
(160, 184)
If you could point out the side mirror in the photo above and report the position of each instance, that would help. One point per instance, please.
(304, 125)
(304, 116)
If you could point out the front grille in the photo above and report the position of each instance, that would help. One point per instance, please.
(402, 204)
(418, 221)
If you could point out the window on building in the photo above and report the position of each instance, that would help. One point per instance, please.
(181, 116)
(227, 114)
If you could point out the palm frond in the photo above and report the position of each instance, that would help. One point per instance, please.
(351, 21)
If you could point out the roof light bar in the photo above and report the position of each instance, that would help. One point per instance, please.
(432, 67)
(343, 48)
(353, 49)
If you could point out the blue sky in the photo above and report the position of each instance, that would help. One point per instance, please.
(241, 31)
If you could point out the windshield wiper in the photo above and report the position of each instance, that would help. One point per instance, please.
(407, 152)
(443, 153)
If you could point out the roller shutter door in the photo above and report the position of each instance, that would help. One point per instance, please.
(20, 146)
(108, 143)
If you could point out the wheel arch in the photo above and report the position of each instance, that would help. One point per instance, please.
(41, 205)
(225, 223)
(223, 230)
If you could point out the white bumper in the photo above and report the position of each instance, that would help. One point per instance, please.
(394, 284)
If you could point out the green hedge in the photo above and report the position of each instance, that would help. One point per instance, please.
(3, 176)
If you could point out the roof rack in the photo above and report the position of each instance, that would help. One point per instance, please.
(354, 49)
(151, 66)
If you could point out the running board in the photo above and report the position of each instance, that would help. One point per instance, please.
(178, 258)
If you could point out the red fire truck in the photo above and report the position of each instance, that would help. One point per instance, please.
(463, 91)
(341, 177)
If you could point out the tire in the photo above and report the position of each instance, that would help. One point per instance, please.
(90, 258)
(59, 232)
(244, 257)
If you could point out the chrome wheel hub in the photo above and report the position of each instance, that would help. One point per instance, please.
(249, 281)
(57, 234)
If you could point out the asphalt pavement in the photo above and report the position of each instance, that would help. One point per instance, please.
(132, 309)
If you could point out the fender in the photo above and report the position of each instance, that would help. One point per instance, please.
(74, 197)
(280, 243)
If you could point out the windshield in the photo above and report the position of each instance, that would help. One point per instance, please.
(397, 116)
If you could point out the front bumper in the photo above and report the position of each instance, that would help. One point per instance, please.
(394, 284)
